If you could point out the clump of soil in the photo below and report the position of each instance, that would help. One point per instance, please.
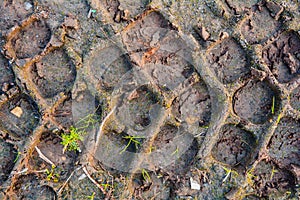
(239, 6)
(269, 180)
(234, 146)
(158, 50)
(116, 153)
(153, 20)
(81, 187)
(21, 116)
(194, 105)
(284, 146)
(259, 25)
(282, 56)
(147, 185)
(13, 12)
(165, 136)
(254, 101)
(55, 73)
(8, 87)
(31, 40)
(228, 61)
(156, 95)
(182, 163)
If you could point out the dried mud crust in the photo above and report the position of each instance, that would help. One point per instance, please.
(13, 12)
(8, 155)
(6, 72)
(165, 136)
(254, 101)
(271, 181)
(55, 73)
(234, 146)
(284, 144)
(283, 56)
(20, 116)
(228, 60)
(30, 187)
(140, 104)
(240, 7)
(31, 41)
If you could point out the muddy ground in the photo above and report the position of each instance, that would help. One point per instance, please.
(164, 99)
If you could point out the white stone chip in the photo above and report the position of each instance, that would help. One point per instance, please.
(27, 5)
(194, 184)
(82, 176)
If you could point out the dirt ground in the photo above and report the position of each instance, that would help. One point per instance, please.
(149, 99)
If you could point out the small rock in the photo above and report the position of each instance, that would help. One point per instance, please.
(82, 176)
(17, 111)
(223, 35)
(3, 98)
(12, 91)
(27, 6)
(133, 95)
(121, 15)
(194, 184)
(204, 34)
(117, 17)
(5, 87)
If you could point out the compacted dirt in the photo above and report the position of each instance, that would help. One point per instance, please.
(149, 99)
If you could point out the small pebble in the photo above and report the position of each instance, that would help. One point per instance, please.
(27, 5)
(194, 184)
(17, 111)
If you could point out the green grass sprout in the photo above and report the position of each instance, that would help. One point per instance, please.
(273, 105)
(146, 175)
(132, 139)
(70, 141)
